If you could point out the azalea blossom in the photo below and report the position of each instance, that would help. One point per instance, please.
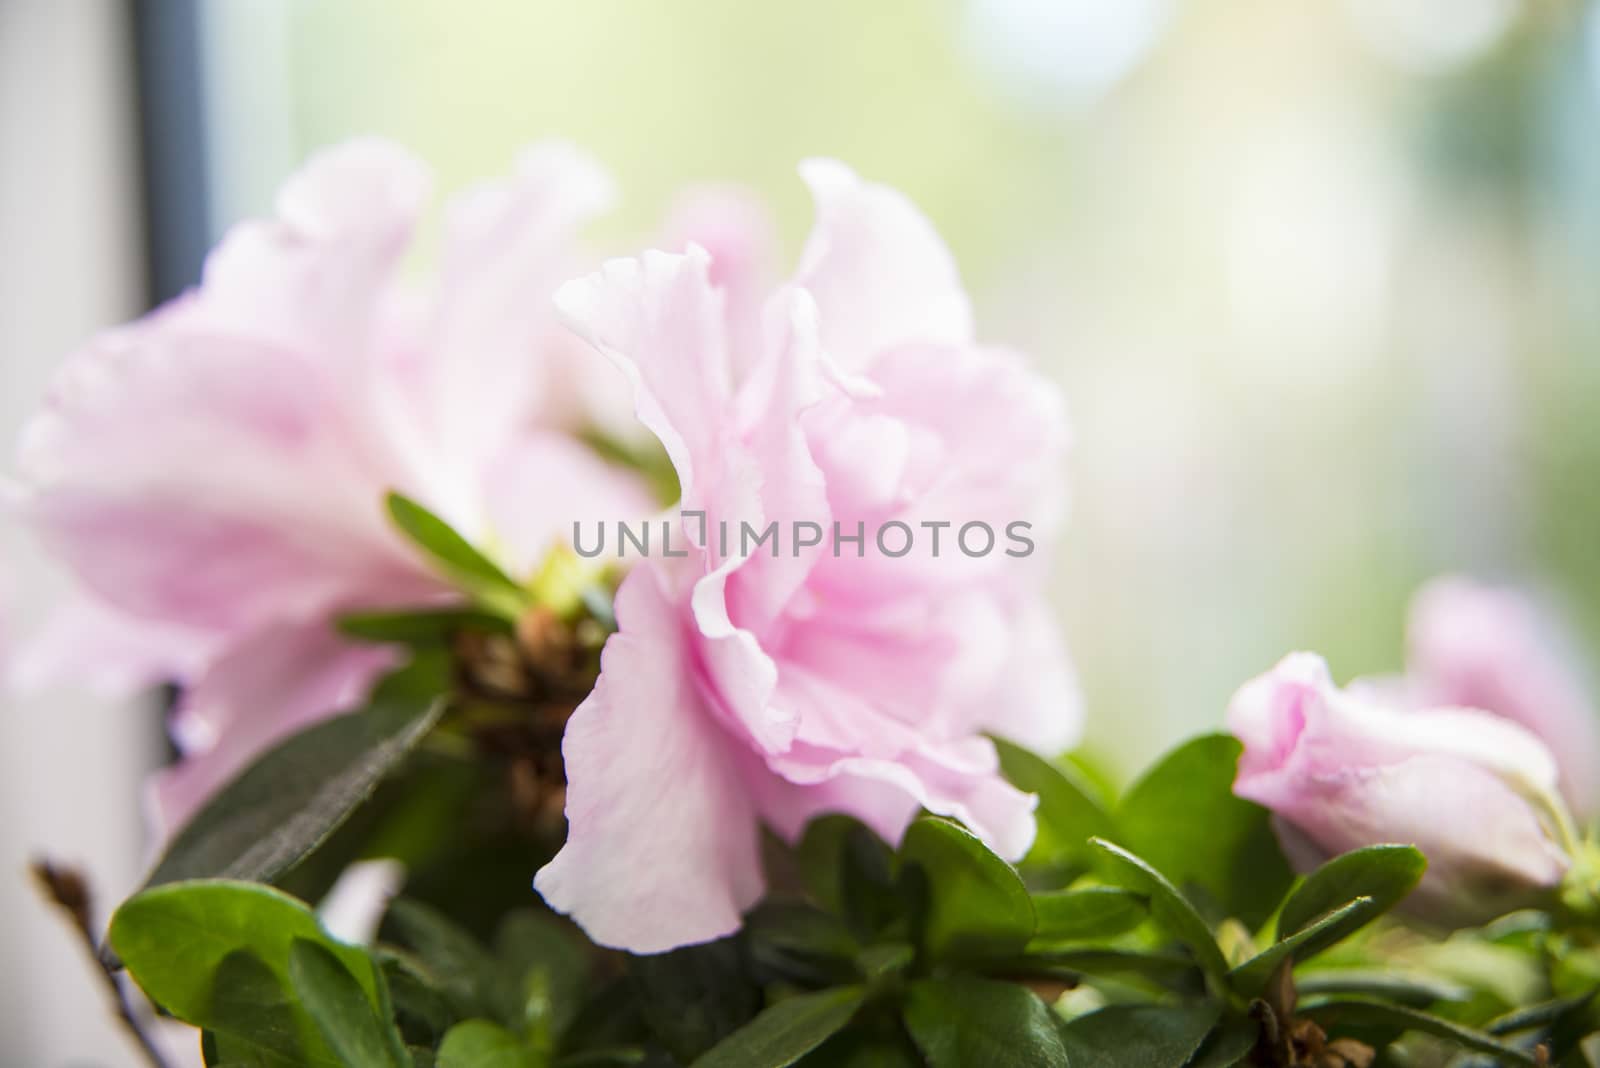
(214, 474)
(1492, 648)
(763, 687)
(1475, 792)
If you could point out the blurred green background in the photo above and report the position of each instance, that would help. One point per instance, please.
(1321, 279)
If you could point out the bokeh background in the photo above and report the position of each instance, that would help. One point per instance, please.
(1321, 280)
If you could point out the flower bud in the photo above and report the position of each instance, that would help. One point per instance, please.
(1474, 792)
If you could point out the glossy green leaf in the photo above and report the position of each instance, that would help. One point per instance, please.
(1389, 984)
(862, 1047)
(482, 1044)
(799, 929)
(977, 905)
(462, 970)
(1172, 970)
(1088, 914)
(1069, 814)
(456, 556)
(1229, 1043)
(208, 951)
(422, 1012)
(1383, 873)
(254, 1020)
(342, 1010)
(1183, 818)
(1170, 908)
(420, 626)
(787, 1031)
(968, 1022)
(1541, 1015)
(1151, 1036)
(287, 803)
(695, 997)
(850, 871)
(1336, 1014)
(1250, 978)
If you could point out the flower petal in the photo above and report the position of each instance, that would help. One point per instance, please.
(1489, 648)
(660, 319)
(507, 244)
(278, 681)
(880, 273)
(206, 480)
(653, 786)
(311, 279)
(543, 486)
(87, 643)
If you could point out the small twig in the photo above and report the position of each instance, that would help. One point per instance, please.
(69, 890)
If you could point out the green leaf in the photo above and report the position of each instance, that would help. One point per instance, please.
(1171, 970)
(1151, 1036)
(864, 1047)
(255, 1021)
(1183, 818)
(1383, 873)
(787, 1031)
(1068, 815)
(423, 1013)
(977, 905)
(341, 1009)
(1171, 909)
(1338, 1014)
(481, 1044)
(1090, 913)
(693, 998)
(294, 796)
(1336, 900)
(450, 551)
(885, 959)
(801, 929)
(211, 952)
(850, 871)
(1415, 990)
(461, 969)
(546, 967)
(420, 626)
(1537, 1016)
(1250, 978)
(968, 1022)
(1228, 1044)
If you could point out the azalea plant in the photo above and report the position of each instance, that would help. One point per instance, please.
(668, 638)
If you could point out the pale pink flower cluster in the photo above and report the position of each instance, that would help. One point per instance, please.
(744, 690)
(215, 474)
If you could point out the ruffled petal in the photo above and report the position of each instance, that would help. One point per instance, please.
(653, 786)
(205, 480)
(543, 486)
(507, 244)
(735, 228)
(311, 279)
(881, 275)
(660, 319)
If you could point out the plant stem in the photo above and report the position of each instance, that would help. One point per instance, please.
(69, 890)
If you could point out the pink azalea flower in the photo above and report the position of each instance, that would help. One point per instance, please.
(1342, 769)
(214, 474)
(752, 687)
(1491, 648)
